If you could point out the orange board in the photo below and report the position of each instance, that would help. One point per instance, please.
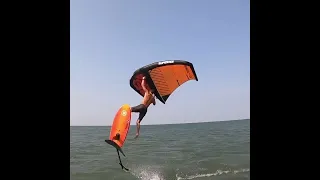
(121, 125)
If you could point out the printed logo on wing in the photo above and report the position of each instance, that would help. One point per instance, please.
(165, 62)
(124, 112)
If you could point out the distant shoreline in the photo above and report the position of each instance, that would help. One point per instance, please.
(164, 124)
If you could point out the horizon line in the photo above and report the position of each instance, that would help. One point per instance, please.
(163, 124)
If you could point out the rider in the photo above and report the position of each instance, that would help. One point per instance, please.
(142, 108)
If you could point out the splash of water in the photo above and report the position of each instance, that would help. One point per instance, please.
(147, 173)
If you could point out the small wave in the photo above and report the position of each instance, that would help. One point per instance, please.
(217, 173)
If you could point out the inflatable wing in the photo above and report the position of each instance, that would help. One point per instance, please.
(164, 77)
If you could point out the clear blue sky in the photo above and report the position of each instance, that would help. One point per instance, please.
(111, 39)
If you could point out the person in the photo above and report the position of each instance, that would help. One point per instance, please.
(142, 108)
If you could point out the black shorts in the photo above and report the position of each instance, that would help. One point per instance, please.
(142, 109)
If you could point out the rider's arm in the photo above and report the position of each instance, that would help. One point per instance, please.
(154, 100)
(143, 84)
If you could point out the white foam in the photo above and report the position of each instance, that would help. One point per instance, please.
(217, 173)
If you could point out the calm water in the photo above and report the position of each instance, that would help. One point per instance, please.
(214, 150)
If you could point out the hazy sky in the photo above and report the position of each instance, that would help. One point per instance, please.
(111, 39)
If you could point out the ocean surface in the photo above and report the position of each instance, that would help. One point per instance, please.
(198, 151)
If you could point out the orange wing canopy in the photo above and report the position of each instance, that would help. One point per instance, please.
(164, 77)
